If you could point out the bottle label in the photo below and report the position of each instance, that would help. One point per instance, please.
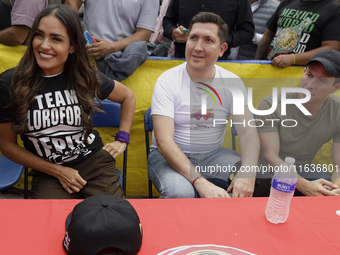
(284, 187)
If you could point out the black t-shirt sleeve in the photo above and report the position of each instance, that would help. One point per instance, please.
(170, 19)
(245, 28)
(5, 99)
(272, 22)
(329, 31)
(106, 85)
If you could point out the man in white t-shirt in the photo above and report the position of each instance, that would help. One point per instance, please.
(191, 105)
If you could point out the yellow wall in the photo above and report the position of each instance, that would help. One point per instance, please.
(261, 77)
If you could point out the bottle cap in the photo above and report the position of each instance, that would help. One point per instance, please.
(290, 160)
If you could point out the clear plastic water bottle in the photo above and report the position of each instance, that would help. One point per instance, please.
(281, 192)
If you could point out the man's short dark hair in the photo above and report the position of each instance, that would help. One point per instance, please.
(209, 17)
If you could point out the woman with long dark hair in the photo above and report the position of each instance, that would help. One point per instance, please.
(48, 99)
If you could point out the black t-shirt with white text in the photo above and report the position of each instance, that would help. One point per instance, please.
(55, 131)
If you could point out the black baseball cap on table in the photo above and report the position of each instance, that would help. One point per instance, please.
(103, 223)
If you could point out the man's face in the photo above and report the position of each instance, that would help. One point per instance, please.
(316, 80)
(203, 49)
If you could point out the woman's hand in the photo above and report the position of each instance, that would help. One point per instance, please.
(70, 179)
(115, 148)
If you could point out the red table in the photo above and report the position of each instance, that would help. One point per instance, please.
(38, 226)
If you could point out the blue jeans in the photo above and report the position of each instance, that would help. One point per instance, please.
(214, 166)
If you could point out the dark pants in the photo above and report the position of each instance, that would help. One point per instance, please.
(99, 171)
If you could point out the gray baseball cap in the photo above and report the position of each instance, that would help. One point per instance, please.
(330, 59)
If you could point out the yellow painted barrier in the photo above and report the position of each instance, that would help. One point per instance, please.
(10, 56)
(260, 76)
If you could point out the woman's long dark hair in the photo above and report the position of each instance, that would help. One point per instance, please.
(27, 79)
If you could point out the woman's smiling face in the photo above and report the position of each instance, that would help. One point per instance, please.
(51, 45)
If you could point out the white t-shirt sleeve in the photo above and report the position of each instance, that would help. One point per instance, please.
(162, 99)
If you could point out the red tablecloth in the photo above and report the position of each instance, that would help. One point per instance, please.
(38, 226)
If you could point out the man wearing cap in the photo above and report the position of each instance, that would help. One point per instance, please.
(187, 145)
(302, 142)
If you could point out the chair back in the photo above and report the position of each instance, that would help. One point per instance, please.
(10, 173)
(111, 117)
(148, 127)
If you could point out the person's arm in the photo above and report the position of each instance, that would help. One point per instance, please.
(164, 133)
(170, 19)
(245, 28)
(302, 58)
(336, 160)
(74, 4)
(270, 148)
(178, 35)
(244, 182)
(68, 177)
(22, 17)
(173, 30)
(14, 35)
(263, 47)
(102, 47)
(144, 27)
(123, 95)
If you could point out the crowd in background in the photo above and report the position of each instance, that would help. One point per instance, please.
(132, 30)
